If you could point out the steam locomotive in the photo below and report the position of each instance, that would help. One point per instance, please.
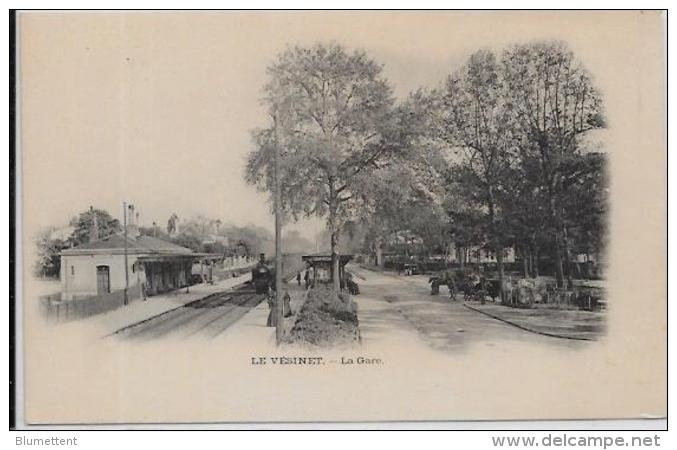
(262, 276)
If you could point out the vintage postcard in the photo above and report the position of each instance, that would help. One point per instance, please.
(307, 216)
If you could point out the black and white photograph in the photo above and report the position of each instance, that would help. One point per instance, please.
(340, 216)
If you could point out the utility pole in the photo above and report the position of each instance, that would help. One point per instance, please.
(278, 240)
(124, 219)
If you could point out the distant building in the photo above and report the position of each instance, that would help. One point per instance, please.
(480, 255)
(585, 257)
(98, 267)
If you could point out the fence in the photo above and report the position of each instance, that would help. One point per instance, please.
(57, 310)
(586, 298)
(237, 262)
(528, 292)
(223, 274)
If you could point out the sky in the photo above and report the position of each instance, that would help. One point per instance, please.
(157, 108)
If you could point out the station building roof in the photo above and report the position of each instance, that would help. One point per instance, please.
(115, 244)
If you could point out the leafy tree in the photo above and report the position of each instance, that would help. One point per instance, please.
(405, 196)
(171, 224)
(252, 240)
(401, 205)
(295, 242)
(154, 231)
(333, 122)
(199, 225)
(554, 103)
(467, 222)
(475, 122)
(84, 222)
(188, 240)
(49, 248)
(525, 210)
(197, 233)
(585, 206)
(390, 189)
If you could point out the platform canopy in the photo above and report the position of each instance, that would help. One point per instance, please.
(322, 263)
(320, 259)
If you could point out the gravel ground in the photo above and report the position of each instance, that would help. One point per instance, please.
(444, 324)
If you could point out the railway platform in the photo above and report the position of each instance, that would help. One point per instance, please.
(143, 310)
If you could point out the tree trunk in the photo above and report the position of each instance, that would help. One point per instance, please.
(335, 260)
(530, 262)
(556, 222)
(559, 269)
(501, 274)
(497, 247)
(525, 262)
(333, 229)
(567, 258)
(534, 263)
(379, 253)
(588, 266)
(461, 254)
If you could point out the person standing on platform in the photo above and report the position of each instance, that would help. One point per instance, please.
(272, 314)
(286, 311)
(306, 278)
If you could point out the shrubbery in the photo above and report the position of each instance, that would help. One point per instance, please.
(326, 318)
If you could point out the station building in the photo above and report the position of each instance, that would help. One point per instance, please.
(98, 267)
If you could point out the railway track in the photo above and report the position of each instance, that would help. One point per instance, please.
(207, 317)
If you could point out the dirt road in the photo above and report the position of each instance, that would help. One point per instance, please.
(440, 322)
